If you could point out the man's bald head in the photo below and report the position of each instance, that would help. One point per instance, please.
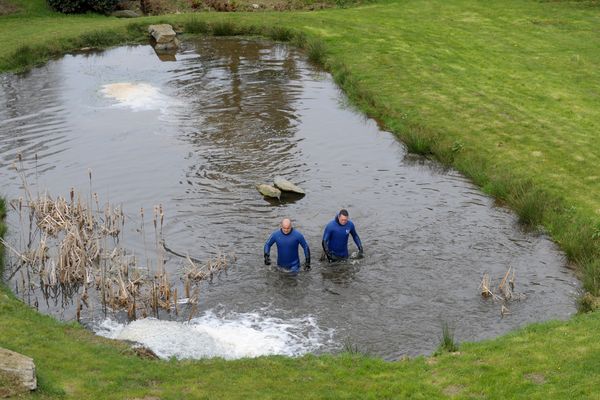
(286, 225)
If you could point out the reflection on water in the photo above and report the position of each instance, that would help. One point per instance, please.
(230, 113)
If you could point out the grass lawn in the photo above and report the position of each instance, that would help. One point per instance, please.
(552, 360)
(507, 91)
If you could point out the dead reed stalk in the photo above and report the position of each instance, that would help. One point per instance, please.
(74, 247)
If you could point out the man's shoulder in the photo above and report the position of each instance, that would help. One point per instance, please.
(297, 233)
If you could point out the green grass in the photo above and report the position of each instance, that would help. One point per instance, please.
(505, 91)
(72, 363)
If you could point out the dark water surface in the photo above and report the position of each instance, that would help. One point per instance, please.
(227, 114)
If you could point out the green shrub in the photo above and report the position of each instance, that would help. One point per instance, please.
(83, 6)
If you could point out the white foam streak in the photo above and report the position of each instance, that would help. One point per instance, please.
(235, 336)
(137, 96)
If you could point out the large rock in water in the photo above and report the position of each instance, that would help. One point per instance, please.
(165, 36)
(268, 190)
(162, 33)
(287, 186)
(18, 371)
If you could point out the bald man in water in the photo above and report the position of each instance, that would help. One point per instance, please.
(287, 240)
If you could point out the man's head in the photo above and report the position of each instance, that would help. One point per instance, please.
(286, 225)
(343, 216)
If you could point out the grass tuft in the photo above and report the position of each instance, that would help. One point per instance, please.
(447, 342)
(529, 203)
(316, 51)
(195, 25)
(352, 348)
(417, 141)
(588, 303)
(299, 40)
(591, 275)
(225, 28)
(137, 29)
(25, 56)
(280, 33)
(100, 38)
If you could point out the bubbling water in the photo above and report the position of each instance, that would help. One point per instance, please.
(136, 96)
(230, 336)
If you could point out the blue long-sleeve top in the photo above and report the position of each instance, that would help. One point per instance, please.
(335, 237)
(287, 248)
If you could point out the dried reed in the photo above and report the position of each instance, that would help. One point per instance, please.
(75, 249)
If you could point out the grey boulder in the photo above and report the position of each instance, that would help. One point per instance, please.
(17, 369)
(268, 190)
(287, 186)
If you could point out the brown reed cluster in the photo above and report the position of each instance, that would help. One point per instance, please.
(503, 293)
(71, 248)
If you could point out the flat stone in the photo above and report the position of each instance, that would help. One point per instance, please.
(19, 368)
(268, 190)
(287, 186)
(162, 33)
(125, 14)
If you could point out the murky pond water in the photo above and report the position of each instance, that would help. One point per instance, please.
(195, 135)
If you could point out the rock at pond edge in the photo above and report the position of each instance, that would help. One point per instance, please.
(20, 367)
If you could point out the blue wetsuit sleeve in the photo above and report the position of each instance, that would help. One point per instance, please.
(269, 243)
(326, 237)
(306, 249)
(356, 238)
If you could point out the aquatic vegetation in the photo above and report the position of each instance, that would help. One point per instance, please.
(504, 292)
(74, 249)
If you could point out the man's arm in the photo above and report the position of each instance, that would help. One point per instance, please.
(325, 242)
(356, 240)
(267, 249)
(306, 252)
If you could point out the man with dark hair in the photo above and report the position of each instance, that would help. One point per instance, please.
(287, 240)
(335, 237)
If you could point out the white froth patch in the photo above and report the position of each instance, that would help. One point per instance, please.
(137, 96)
(235, 336)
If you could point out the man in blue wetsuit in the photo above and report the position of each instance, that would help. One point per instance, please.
(335, 237)
(287, 240)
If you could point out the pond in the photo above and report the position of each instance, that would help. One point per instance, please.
(196, 134)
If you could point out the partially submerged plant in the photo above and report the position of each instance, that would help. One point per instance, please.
(504, 292)
(73, 247)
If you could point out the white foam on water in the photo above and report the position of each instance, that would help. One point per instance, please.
(235, 335)
(137, 96)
